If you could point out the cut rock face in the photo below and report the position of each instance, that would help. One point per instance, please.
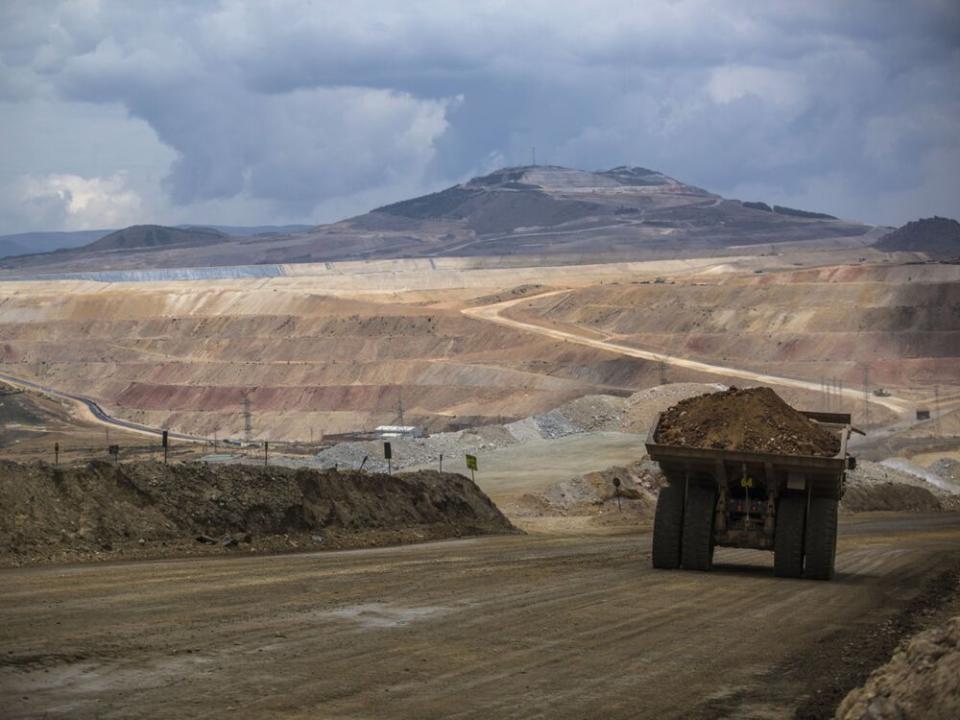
(753, 419)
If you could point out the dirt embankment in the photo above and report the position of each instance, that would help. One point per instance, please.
(99, 511)
(752, 419)
(921, 681)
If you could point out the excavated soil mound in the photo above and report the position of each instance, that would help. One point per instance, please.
(594, 495)
(754, 419)
(921, 681)
(99, 510)
(889, 496)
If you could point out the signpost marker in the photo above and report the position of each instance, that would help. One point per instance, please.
(165, 446)
(388, 456)
(472, 464)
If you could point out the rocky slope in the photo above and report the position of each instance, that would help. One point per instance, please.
(921, 681)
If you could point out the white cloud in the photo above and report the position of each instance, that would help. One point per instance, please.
(294, 110)
(80, 203)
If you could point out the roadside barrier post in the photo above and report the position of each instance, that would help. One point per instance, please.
(388, 456)
(266, 452)
(441, 462)
(56, 453)
(165, 444)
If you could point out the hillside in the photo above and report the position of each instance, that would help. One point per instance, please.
(938, 237)
(46, 242)
(150, 236)
(517, 216)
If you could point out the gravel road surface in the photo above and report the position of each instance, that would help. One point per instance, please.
(520, 627)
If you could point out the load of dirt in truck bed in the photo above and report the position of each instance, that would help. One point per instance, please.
(751, 419)
(99, 510)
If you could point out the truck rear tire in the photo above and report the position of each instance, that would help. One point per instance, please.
(821, 542)
(696, 545)
(667, 527)
(788, 541)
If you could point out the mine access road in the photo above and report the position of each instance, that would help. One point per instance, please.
(494, 313)
(494, 627)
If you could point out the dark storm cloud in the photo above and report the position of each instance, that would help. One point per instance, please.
(854, 105)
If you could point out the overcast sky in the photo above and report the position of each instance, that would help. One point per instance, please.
(114, 113)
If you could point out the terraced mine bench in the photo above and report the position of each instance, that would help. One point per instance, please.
(766, 501)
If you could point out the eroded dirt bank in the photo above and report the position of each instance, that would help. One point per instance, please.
(101, 511)
(921, 681)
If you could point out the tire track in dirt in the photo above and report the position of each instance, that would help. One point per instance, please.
(534, 626)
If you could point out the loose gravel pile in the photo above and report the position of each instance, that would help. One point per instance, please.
(922, 680)
(50, 513)
(753, 419)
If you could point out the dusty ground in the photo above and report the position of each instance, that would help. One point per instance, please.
(535, 626)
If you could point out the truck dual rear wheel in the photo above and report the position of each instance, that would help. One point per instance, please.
(696, 546)
(667, 527)
(788, 541)
(821, 538)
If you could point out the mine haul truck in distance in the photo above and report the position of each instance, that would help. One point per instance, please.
(766, 501)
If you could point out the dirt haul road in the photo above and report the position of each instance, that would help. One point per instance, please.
(494, 313)
(520, 627)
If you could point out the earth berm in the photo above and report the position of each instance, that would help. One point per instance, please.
(99, 510)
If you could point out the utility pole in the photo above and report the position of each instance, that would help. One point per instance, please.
(936, 406)
(866, 395)
(247, 418)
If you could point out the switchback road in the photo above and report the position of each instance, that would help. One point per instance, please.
(92, 411)
(494, 313)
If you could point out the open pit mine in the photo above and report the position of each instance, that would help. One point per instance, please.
(472, 455)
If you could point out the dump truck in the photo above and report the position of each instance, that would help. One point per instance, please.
(767, 501)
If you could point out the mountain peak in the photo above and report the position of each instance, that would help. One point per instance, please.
(555, 178)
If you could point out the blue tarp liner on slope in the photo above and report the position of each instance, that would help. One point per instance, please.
(158, 275)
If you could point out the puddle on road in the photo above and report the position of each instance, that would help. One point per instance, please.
(382, 615)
